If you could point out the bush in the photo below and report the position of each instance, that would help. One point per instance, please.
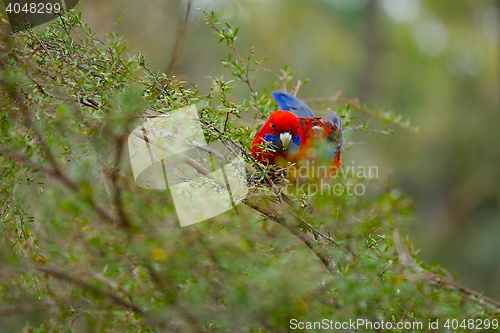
(86, 249)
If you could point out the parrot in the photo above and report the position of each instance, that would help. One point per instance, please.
(294, 134)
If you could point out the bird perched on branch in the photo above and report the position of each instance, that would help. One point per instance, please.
(293, 134)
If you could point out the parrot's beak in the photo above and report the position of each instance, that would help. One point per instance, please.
(285, 138)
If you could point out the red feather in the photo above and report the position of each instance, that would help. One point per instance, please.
(279, 121)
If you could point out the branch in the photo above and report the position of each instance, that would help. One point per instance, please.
(115, 299)
(448, 283)
(279, 213)
(117, 197)
(407, 260)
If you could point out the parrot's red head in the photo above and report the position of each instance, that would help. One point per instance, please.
(282, 134)
(285, 125)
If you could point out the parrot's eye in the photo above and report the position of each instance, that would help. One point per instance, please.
(273, 127)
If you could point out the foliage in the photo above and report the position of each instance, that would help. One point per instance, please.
(81, 240)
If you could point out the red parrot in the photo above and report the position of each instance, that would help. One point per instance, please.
(293, 134)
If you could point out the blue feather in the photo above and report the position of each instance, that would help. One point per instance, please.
(276, 143)
(291, 103)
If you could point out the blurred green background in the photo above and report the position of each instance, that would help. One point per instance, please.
(435, 62)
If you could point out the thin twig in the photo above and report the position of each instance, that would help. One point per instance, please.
(24, 308)
(180, 37)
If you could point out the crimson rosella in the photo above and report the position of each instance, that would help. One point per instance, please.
(293, 134)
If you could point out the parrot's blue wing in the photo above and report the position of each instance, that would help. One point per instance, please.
(334, 118)
(291, 103)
